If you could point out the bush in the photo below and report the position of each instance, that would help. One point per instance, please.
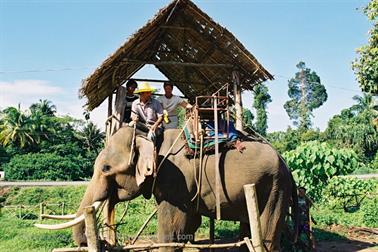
(314, 163)
(347, 193)
(46, 166)
(370, 213)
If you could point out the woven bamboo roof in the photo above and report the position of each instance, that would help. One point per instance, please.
(185, 45)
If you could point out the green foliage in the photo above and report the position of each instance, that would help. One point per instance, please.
(306, 93)
(91, 137)
(247, 119)
(261, 99)
(288, 140)
(46, 166)
(347, 193)
(366, 65)
(353, 128)
(285, 140)
(314, 163)
(16, 128)
(63, 140)
(370, 213)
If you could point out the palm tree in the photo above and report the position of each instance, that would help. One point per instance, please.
(43, 125)
(92, 137)
(364, 102)
(15, 128)
(44, 106)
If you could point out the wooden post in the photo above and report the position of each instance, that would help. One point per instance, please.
(254, 217)
(91, 229)
(238, 101)
(109, 124)
(109, 227)
(41, 210)
(217, 175)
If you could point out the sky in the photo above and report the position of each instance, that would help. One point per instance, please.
(48, 47)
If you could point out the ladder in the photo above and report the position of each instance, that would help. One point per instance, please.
(214, 108)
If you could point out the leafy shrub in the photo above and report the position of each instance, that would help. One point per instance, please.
(347, 193)
(46, 166)
(314, 163)
(370, 213)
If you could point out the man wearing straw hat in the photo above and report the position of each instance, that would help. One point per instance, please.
(147, 112)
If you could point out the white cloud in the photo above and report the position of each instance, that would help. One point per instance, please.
(29, 87)
(26, 92)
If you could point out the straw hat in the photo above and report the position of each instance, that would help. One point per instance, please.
(144, 87)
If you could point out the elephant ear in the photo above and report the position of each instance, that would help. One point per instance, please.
(146, 159)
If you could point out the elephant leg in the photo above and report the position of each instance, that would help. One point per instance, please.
(273, 218)
(175, 225)
(244, 231)
(192, 224)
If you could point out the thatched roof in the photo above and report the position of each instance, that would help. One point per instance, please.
(187, 46)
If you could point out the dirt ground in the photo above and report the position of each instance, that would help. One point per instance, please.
(358, 239)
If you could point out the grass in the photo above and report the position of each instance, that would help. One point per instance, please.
(20, 235)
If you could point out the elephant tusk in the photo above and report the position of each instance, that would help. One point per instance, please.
(58, 217)
(68, 224)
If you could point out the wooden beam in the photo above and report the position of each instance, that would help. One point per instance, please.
(238, 101)
(254, 217)
(216, 166)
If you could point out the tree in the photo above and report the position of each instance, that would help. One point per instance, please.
(247, 119)
(365, 65)
(354, 130)
(262, 98)
(92, 137)
(364, 102)
(44, 106)
(15, 128)
(306, 93)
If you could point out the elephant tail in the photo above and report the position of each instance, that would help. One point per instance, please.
(293, 203)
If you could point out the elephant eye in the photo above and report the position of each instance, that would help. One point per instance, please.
(106, 168)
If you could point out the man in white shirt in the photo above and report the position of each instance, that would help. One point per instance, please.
(170, 102)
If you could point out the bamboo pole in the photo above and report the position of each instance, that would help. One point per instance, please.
(179, 245)
(254, 217)
(217, 175)
(90, 229)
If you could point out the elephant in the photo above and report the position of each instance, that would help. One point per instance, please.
(121, 174)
